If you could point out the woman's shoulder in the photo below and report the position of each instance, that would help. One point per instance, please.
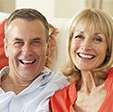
(109, 80)
(63, 99)
(110, 72)
(67, 93)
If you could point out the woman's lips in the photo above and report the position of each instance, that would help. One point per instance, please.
(85, 55)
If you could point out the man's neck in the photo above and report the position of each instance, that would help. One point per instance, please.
(16, 84)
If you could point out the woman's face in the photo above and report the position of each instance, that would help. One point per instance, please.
(88, 48)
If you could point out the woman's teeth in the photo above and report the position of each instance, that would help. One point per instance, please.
(88, 56)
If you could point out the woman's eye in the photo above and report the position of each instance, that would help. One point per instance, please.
(98, 39)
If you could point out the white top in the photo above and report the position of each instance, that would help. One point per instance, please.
(34, 98)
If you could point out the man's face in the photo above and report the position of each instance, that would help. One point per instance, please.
(26, 47)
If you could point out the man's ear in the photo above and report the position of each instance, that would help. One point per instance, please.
(47, 50)
(5, 47)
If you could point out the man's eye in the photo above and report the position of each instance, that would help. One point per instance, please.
(37, 42)
(18, 43)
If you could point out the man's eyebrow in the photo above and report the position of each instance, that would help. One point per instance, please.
(18, 39)
(36, 38)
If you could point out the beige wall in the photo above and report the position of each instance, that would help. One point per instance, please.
(55, 8)
(108, 6)
(7, 5)
(67, 8)
(44, 6)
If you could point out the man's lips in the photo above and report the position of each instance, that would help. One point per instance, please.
(27, 61)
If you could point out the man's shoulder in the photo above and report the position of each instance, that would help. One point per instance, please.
(56, 80)
(58, 77)
(55, 75)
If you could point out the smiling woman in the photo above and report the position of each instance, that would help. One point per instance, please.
(90, 49)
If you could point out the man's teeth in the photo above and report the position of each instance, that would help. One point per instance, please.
(27, 62)
(85, 56)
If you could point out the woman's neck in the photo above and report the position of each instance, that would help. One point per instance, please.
(89, 81)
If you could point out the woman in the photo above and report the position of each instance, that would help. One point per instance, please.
(90, 48)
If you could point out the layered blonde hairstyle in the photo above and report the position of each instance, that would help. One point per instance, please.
(93, 20)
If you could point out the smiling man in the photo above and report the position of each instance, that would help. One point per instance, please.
(26, 85)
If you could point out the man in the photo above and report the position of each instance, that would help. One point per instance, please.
(26, 84)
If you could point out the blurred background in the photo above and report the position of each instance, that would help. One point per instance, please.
(57, 8)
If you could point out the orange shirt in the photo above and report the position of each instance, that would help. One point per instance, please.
(63, 100)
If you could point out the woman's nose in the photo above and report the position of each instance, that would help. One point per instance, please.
(86, 44)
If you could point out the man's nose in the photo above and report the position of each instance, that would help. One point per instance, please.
(27, 49)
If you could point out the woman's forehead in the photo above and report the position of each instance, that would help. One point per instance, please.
(88, 26)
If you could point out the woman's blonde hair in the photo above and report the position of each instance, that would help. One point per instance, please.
(93, 20)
